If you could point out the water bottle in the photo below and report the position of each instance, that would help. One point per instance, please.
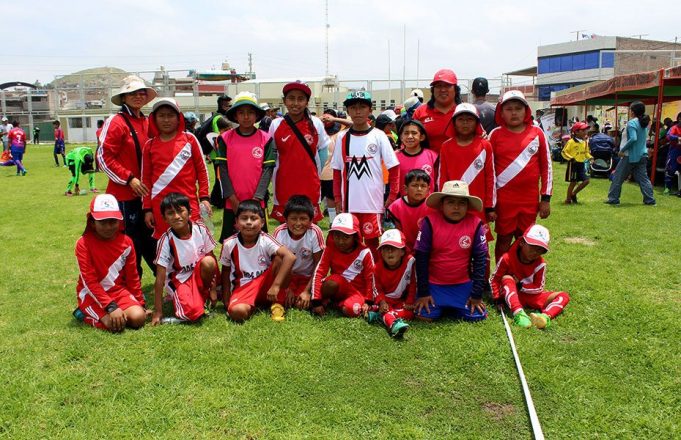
(206, 219)
(171, 320)
(332, 214)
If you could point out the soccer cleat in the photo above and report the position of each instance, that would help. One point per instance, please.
(277, 312)
(667, 191)
(68, 194)
(540, 320)
(573, 198)
(522, 320)
(373, 316)
(398, 329)
(23, 173)
(78, 314)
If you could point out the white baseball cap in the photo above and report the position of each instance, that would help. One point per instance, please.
(394, 238)
(465, 107)
(514, 94)
(391, 114)
(537, 235)
(105, 206)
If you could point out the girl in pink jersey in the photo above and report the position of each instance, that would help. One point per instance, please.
(415, 153)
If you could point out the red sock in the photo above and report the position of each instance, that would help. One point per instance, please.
(510, 294)
(555, 307)
(393, 314)
(389, 318)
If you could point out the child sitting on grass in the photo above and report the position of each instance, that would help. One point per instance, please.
(519, 280)
(395, 284)
(451, 256)
(109, 292)
(407, 212)
(351, 282)
(185, 263)
(306, 241)
(254, 266)
(576, 151)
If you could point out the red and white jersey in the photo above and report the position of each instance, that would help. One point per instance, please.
(425, 160)
(170, 166)
(59, 134)
(303, 248)
(17, 138)
(357, 267)
(248, 263)
(521, 160)
(359, 157)
(180, 255)
(474, 164)
(104, 264)
(438, 125)
(408, 218)
(295, 172)
(398, 284)
(531, 277)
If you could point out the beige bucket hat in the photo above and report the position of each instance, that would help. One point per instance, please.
(131, 84)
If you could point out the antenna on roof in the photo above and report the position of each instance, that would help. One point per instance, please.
(578, 33)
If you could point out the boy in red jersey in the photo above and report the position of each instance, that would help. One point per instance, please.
(358, 174)
(519, 280)
(351, 282)
(59, 146)
(172, 162)
(17, 147)
(395, 284)
(185, 263)
(522, 159)
(109, 292)
(407, 212)
(254, 266)
(451, 256)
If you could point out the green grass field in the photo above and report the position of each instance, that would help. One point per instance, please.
(609, 367)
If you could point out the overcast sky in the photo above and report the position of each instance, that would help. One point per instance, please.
(287, 37)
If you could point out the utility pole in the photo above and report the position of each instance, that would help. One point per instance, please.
(250, 63)
(327, 36)
(577, 32)
(404, 61)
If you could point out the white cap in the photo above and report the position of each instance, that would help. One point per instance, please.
(391, 114)
(537, 235)
(170, 102)
(394, 238)
(105, 206)
(417, 92)
(465, 107)
(514, 94)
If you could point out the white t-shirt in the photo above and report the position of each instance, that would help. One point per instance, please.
(179, 256)
(362, 187)
(304, 248)
(246, 264)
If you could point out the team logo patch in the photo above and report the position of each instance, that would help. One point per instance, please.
(309, 139)
(257, 152)
(534, 146)
(185, 154)
(428, 169)
(478, 164)
(368, 228)
(262, 260)
(465, 242)
(357, 264)
(358, 167)
(305, 252)
(372, 148)
(106, 204)
(428, 119)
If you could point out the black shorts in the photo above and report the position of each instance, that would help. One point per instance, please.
(327, 189)
(575, 172)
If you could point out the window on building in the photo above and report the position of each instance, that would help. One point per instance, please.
(575, 61)
(607, 59)
(78, 122)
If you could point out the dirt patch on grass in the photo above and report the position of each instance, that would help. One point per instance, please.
(498, 411)
(580, 240)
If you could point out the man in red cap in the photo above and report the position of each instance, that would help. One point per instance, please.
(436, 115)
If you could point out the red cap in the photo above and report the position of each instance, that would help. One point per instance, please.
(105, 206)
(345, 223)
(394, 238)
(298, 85)
(579, 126)
(446, 76)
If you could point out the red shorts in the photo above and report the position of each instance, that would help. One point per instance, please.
(348, 299)
(370, 224)
(515, 219)
(297, 285)
(94, 312)
(278, 213)
(535, 301)
(189, 298)
(254, 293)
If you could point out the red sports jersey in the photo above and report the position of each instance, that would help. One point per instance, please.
(357, 267)
(529, 276)
(396, 285)
(425, 160)
(296, 171)
(59, 134)
(173, 166)
(474, 164)
(438, 125)
(180, 255)
(118, 157)
(17, 138)
(105, 264)
(407, 218)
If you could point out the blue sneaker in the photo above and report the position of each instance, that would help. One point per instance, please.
(399, 328)
(373, 317)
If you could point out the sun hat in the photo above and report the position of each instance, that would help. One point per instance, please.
(297, 85)
(537, 235)
(465, 107)
(480, 86)
(241, 99)
(345, 223)
(356, 96)
(446, 76)
(454, 188)
(394, 238)
(105, 206)
(514, 94)
(131, 84)
(170, 102)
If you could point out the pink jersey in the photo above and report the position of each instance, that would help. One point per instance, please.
(425, 160)
(408, 218)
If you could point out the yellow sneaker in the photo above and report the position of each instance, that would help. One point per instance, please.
(278, 313)
(540, 320)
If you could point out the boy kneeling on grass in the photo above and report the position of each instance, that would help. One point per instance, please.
(451, 256)
(519, 280)
(185, 263)
(254, 266)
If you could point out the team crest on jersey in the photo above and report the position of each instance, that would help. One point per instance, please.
(428, 169)
(478, 164)
(257, 152)
(372, 148)
(185, 153)
(534, 146)
(428, 119)
(359, 167)
(309, 139)
(262, 260)
(368, 228)
(357, 264)
(305, 252)
(465, 242)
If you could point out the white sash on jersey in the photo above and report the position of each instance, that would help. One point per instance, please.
(356, 267)
(472, 171)
(404, 281)
(519, 163)
(172, 170)
(530, 278)
(109, 280)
